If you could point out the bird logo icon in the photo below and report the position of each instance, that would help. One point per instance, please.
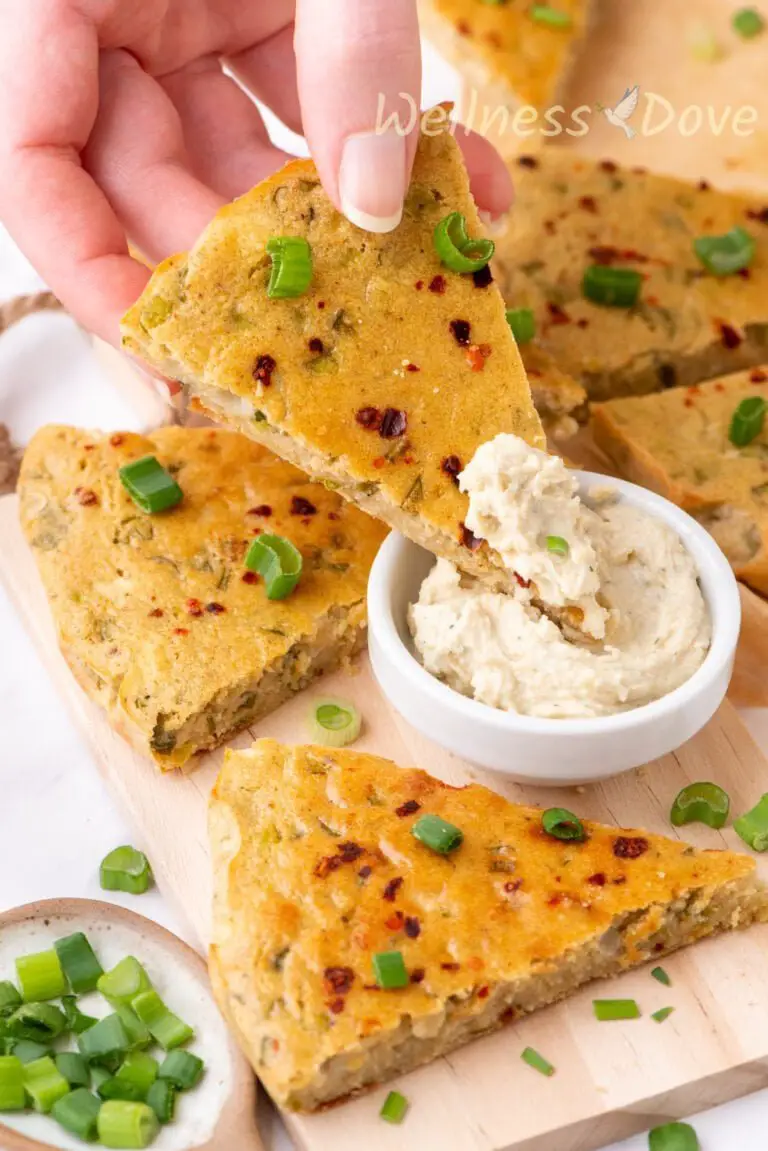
(619, 115)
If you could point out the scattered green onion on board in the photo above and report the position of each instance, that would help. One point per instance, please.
(748, 22)
(557, 545)
(664, 1013)
(660, 975)
(78, 962)
(612, 1010)
(40, 977)
(673, 1137)
(277, 561)
(13, 1096)
(149, 485)
(125, 869)
(552, 17)
(389, 970)
(747, 421)
(291, 272)
(9, 998)
(701, 803)
(537, 1062)
(165, 1027)
(724, 255)
(563, 824)
(523, 324)
(456, 250)
(182, 1069)
(126, 1125)
(612, 287)
(44, 1083)
(161, 1097)
(437, 834)
(394, 1107)
(334, 723)
(753, 826)
(78, 1113)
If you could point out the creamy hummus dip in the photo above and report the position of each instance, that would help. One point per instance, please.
(645, 625)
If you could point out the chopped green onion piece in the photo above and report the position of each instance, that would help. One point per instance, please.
(291, 267)
(563, 824)
(747, 421)
(27, 1050)
(124, 982)
(455, 248)
(537, 1062)
(183, 1069)
(79, 962)
(9, 998)
(126, 1125)
(140, 1069)
(437, 834)
(334, 723)
(40, 977)
(161, 1097)
(74, 1068)
(12, 1094)
(149, 485)
(277, 561)
(753, 826)
(99, 1075)
(389, 969)
(78, 1113)
(613, 287)
(552, 17)
(558, 545)
(41, 1022)
(660, 974)
(76, 1020)
(673, 1137)
(608, 1010)
(701, 803)
(726, 254)
(45, 1083)
(522, 323)
(394, 1108)
(663, 1014)
(138, 1034)
(105, 1038)
(126, 869)
(748, 22)
(165, 1027)
(116, 1088)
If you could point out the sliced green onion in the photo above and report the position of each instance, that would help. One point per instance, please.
(124, 982)
(277, 561)
(27, 1050)
(558, 545)
(563, 824)
(552, 17)
(334, 723)
(613, 287)
(149, 485)
(437, 834)
(753, 826)
(165, 1027)
(138, 1034)
(701, 803)
(161, 1097)
(78, 962)
(107, 1037)
(522, 323)
(116, 1088)
(537, 1062)
(456, 250)
(126, 1125)
(663, 1014)
(183, 1069)
(12, 1094)
(394, 1108)
(126, 869)
(661, 976)
(40, 977)
(9, 998)
(748, 22)
(291, 267)
(74, 1068)
(76, 1020)
(608, 1010)
(747, 421)
(41, 1022)
(673, 1137)
(389, 969)
(724, 255)
(140, 1069)
(99, 1075)
(78, 1113)
(44, 1083)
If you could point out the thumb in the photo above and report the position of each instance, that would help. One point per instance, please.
(358, 63)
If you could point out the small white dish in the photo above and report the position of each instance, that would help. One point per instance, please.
(558, 752)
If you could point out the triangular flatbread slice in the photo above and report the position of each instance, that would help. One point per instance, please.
(317, 870)
(381, 380)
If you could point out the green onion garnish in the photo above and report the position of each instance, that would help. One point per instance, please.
(76, 1021)
(613, 287)
(557, 545)
(74, 1068)
(455, 248)
(165, 1027)
(41, 1022)
(125, 869)
(724, 255)
(753, 826)
(116, 1088)
(126, 1125)
(44, 1083)
(291, 267)
(12, 1094)
(552, 17)
(149, 485)
(78, 962)
(537, 1062)
(673, 1137)
(664, 1013)
(9, 998)
(437, 834)
(701, 803)
(278, 561)
(747, 421)
(161, 1097)
(40, 977)
(140, 1069)
(395, 1107)
(748, 22)
(183, 1069)
(334, 723)
(124, 982)
(389, 969)
(105, 1038)
(609, 1010)
(78, 1113)
(138, 1034)
(661, 976)
(563, 824)
(522, 323)
(27, 1050)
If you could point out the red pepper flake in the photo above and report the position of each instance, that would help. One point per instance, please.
(493, 38)
(483, 992)
(630, 847)
(338, 980)
(302, 507)
(86, 497)
(349, 852)
(412, 368)
(513, 885)
(460, 330)
(263, 368)
(369, 418)
(598, 879)
(463, 28)
(550, 227)
(321, 304)
(117, 440)
(527, 162)
(417, 975)
(557, 315)
(729, 337)
(469, 539)
(215, 608)
(393, 424)
(556, 899)
(582, 323)
(379, 462)
(483, 277)
(437, 285)
(88, 447)
(260, 510)
(336, 1006)
(392, 888)
(249, 577)
(758, 376)
(759, 214)
(451, 466)
(704, 185)
(688, 402)
(326, 865)
(475, 358)
(395, 922)
(316, 345)
(745, 273)
(618, 882)
(407, 459)
(410, 807)
(451, 966)
(719, 387)
(365, 872)
(181, 631)
(156, 613)
(588, 203)
(419, 285)
(412, 927)
(194, 607)
(607, 254)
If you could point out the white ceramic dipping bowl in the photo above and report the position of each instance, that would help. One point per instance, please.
(559, 752)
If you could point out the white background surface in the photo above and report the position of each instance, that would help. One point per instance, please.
(56, 819)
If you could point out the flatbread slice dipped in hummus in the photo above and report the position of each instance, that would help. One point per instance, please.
(381, 379)
(368, 918)
(157, 614)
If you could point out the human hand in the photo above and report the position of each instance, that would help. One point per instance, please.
(119, 121)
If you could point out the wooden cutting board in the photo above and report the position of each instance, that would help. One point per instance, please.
(612, 1079)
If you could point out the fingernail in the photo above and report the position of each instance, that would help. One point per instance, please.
(372, 180)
